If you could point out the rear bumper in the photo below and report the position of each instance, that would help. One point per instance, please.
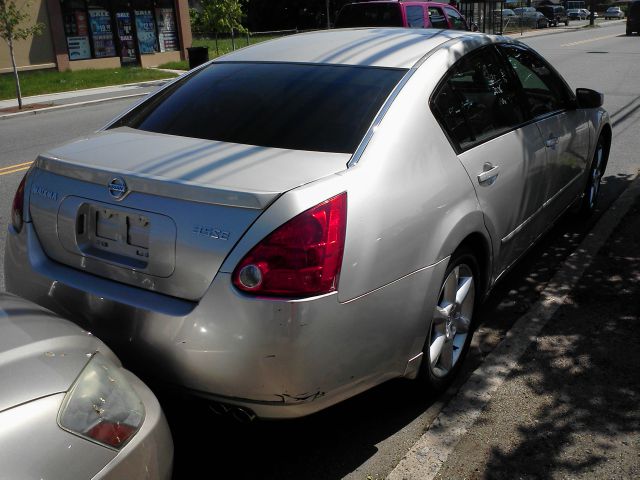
(279, 358)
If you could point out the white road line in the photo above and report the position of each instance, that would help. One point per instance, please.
(428, 454)
(588, 40)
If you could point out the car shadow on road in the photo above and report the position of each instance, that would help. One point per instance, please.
(581, 380)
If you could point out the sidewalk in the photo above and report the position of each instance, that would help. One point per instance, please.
(82, 97)
(569, 407)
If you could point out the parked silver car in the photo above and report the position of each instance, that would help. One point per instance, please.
(613, 12)
(67, 407)
(298, 221)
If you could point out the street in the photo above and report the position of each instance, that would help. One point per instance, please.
(369, 434)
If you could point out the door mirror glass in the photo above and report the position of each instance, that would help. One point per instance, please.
(588, 98)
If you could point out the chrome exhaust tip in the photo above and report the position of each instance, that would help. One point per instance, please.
(243, 415)
(219, 408)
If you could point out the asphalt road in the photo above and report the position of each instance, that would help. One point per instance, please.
(369, 434)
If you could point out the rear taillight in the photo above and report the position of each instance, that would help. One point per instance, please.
(301, 258)
(17, 208)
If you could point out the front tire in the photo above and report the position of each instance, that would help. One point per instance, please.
(592, 189)
(451, 325)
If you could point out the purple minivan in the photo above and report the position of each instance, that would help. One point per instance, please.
(398, 13)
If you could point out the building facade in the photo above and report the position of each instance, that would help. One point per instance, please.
(81, 34)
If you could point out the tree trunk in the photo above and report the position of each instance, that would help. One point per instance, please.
(593, 9)
(15, 74)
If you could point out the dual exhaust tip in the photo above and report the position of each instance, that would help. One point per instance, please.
(239, 414)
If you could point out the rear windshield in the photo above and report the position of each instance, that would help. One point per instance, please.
(369, 15)
(325, 108)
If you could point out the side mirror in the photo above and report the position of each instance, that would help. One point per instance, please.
(587, 98)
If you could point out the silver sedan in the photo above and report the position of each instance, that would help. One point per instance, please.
(68, 409)
(298, 221)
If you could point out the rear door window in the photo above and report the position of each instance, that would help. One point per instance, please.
(415, 16)
(478, 99)
(437, 18)
(325, 108)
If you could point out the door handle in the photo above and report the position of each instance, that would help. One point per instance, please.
(489, 174)
(552, 142)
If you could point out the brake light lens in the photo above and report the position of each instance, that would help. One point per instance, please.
(301, 258)
(17, 207)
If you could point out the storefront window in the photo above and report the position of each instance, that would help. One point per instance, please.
(145, 27)
(124, 28)
(76, 28)
(167, 30)
(101, 33)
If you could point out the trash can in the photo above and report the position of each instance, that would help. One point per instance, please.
(197, 56)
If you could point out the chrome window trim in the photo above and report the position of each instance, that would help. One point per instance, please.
(355, 158)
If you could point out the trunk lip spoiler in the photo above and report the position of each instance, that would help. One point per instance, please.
(148, 184)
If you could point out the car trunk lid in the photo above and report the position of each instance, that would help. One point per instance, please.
(157, 211)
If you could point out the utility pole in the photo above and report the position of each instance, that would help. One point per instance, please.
(592, 9)
(328, 19)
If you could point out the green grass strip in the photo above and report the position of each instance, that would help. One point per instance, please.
(51, 81)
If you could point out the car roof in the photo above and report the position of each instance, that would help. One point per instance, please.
(378, 47)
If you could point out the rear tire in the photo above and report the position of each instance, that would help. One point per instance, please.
(451, 323)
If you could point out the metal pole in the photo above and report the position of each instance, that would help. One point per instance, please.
(328, 19)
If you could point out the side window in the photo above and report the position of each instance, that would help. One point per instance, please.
(544, 90)
(437, 18)
(415, 16)
(457, 22)
(478, 99)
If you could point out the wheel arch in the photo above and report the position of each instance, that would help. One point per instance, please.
(607, 132)
(480, 246)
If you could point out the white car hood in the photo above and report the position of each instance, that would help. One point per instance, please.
(40, 354)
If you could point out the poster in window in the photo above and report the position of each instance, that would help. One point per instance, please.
(146, 31)
(167, 34)
(100, 23)
(125, 35)
(79, 48)
(82, 28)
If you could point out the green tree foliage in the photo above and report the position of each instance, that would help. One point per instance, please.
(217, 16)
(14, 20)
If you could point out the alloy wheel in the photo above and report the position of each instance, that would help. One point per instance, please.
(595, 175)
(451, 320)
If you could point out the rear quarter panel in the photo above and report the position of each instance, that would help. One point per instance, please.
(410, 201)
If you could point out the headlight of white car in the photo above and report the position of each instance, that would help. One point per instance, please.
(101, 405)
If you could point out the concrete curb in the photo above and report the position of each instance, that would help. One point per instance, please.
(429, 453)
(70, 105)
